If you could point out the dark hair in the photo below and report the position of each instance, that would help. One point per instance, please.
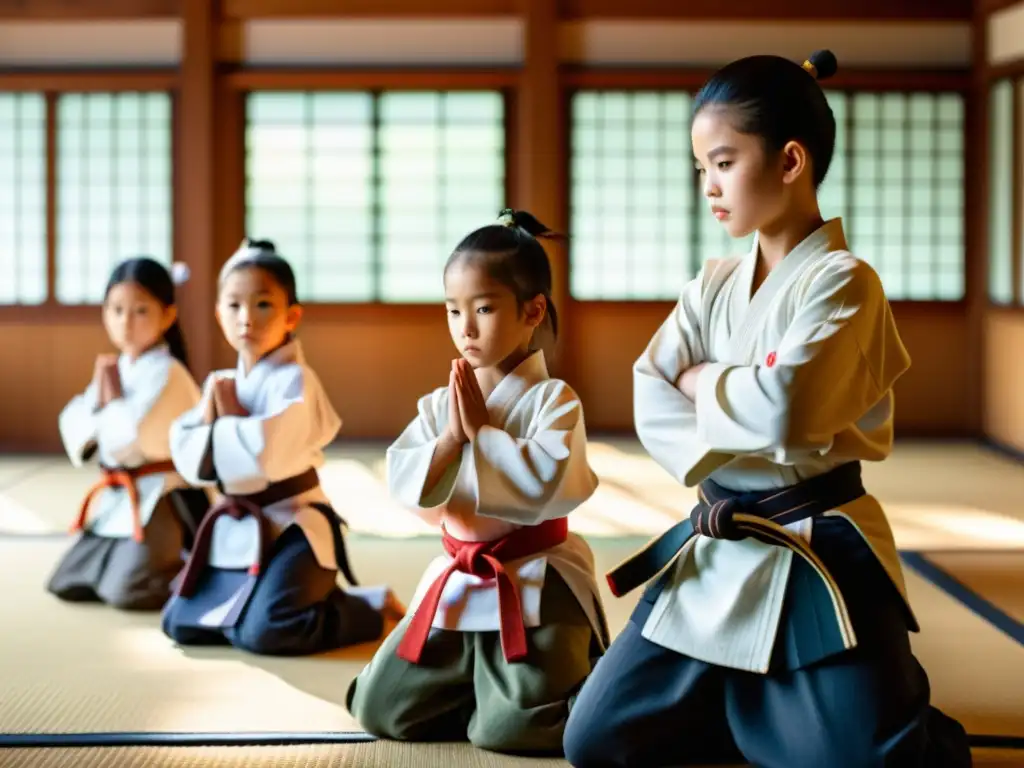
(263, 254)
(512, 255)
(780, 101)
(154, 278)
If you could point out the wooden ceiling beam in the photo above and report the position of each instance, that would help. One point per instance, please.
(750, 10)
(789, 10)
(759, 10)
(85, 10)
(428, 9)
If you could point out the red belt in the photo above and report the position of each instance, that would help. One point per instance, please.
(485, 560)
(122, 478)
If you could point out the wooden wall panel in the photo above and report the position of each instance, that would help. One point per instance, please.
(374, 370)
(44, 366)
(999, 335)
(1004, 378)
(931, 399)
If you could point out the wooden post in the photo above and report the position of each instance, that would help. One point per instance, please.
(194, 180)
(539, 175)
(976, 189)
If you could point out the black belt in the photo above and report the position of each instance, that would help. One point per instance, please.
(725, 514)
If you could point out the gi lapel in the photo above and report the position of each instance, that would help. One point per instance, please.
(510, 389)
(742, 345)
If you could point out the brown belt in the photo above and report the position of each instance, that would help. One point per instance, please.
(121, 477)
(237, 507)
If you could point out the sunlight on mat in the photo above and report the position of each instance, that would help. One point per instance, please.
(14, 468)
(74, 668)
(937, 496)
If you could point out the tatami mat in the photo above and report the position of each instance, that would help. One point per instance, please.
(88, 669)
(84, 668)
(938, 496)
(372, 755)
(377, 755)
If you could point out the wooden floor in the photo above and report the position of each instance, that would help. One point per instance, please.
(957, 512)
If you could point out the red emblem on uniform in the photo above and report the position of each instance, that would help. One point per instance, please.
(770, 360)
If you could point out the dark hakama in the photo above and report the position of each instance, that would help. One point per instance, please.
(285, 603)
(819, 704)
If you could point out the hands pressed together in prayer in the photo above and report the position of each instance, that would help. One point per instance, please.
(223, 400)
(467, 409)
(107, 380)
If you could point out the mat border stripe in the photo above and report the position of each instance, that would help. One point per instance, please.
(180, 739)
(271, 739)
(985, 609)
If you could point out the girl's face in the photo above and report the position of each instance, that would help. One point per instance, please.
(253, 312)
(134, 319)
(747, 188)
(484, 319)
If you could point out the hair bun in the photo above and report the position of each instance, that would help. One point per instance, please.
(822, 64)
(267, 246)
(180, 273)
(527, 222)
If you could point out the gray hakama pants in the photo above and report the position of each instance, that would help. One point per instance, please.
(127, 574)
(464, 689)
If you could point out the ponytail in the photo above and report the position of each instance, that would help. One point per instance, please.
(175, 339)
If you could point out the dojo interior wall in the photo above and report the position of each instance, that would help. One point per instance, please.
(1002, 25)
(377, 359)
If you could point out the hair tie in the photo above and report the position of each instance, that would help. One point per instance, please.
(507, 218)
(809, 66)
(180, 273)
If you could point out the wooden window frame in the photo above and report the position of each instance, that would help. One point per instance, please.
(851, 80)
(1013, 72)
(240, 82)
(234, 82)
(1016, 82)
(52, 85)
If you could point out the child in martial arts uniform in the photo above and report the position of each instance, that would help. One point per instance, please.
(506, 625)
(777, 628)
(134, 523)
(263, 574)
